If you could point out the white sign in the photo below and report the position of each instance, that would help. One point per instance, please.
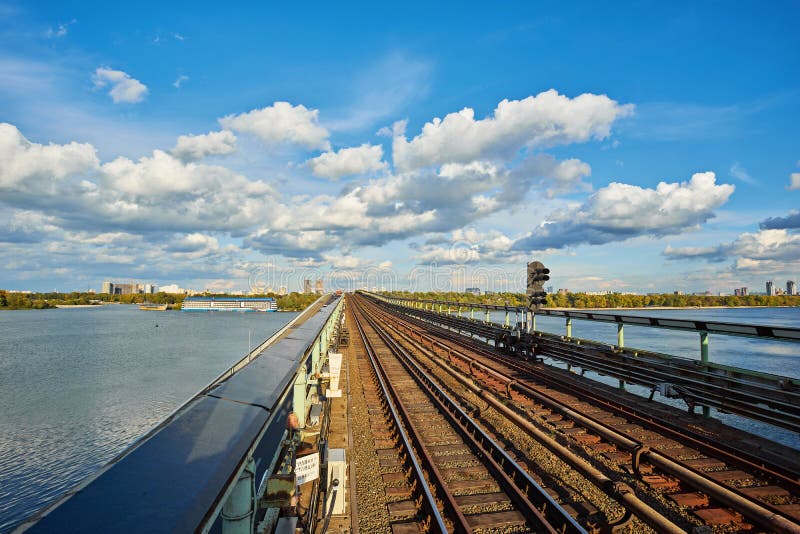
(306, 468)
(335, 367)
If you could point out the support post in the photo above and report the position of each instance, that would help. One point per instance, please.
(529, 321)
(508, 317)
(569, 326)
(238, 512)
(487, 317)
(316, 352)
(299, 400)
(533, 322)
(620, 344)
(704, 359)
(472, 313)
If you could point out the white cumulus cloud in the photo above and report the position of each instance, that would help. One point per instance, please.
(36, 166)
(543, 120)
(281, 123)
(123, 88)
(621, 211)
(196, 147)
(794, 181)
(348, 161)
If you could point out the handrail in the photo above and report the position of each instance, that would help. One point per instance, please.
(781, 333)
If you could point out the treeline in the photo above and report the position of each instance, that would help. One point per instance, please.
(615, 300)
(17, 301)
(22, 301)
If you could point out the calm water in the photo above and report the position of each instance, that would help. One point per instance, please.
(79, 385)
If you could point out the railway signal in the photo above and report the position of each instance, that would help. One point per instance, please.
(538, 274)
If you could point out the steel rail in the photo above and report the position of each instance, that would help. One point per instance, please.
(621, 492)
(647, 372)
(511, 477)
(762, 513)
(428, 500)
(729, 453)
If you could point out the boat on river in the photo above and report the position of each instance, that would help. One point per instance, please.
(152, 306)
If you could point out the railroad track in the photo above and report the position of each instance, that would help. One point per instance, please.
(717, 485)
(443, 473)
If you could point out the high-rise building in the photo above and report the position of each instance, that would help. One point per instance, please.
(473, 291)
(307, 286)
(771, 288)
(791, 288)
(113, 288)
(318, 288)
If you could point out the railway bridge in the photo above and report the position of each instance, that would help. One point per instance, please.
(370, 413)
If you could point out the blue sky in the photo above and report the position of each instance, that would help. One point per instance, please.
(640, 147)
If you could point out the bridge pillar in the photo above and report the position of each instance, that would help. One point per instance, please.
(620, 344)
(238, 512)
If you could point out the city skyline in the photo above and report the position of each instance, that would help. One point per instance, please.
(654, 150)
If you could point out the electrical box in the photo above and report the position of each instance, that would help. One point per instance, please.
(315, 414)
(337, 469)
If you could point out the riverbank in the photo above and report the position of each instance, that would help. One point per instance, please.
(81, 305)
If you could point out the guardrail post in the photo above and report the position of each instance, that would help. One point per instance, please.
(704, 360)
(569, 326)
(620, 344)
(238, 512)
(316, 352)
(299, 400)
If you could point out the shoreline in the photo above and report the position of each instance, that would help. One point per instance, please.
(80, 305)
